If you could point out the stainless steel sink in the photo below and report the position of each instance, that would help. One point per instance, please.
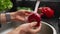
(46, 28)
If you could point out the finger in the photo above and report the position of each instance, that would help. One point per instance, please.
(20, 18)
(25, 12)
(33, 24)
(21, 11)
(36, 30)
(28, 13)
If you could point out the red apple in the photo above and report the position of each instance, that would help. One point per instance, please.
(35, 18)
(47, 11)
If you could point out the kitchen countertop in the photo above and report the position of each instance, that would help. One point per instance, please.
(53, 22)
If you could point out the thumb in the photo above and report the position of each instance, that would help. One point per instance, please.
(33, 24)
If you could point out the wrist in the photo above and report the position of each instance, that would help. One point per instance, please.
(12, 15)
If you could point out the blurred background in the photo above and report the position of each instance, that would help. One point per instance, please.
(54, 4)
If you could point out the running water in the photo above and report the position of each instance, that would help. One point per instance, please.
(36, 7)
(35, 16)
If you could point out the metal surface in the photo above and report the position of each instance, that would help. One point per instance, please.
(53, 22)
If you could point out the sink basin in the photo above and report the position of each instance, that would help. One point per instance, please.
(46, 28)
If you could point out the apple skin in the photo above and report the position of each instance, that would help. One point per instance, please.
(47, 11)
(35, 18)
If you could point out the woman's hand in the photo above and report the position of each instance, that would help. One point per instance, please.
(27, 28)
(20, 15)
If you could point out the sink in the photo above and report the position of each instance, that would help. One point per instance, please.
(46, 28)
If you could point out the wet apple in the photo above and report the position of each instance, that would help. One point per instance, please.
(35, 18)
